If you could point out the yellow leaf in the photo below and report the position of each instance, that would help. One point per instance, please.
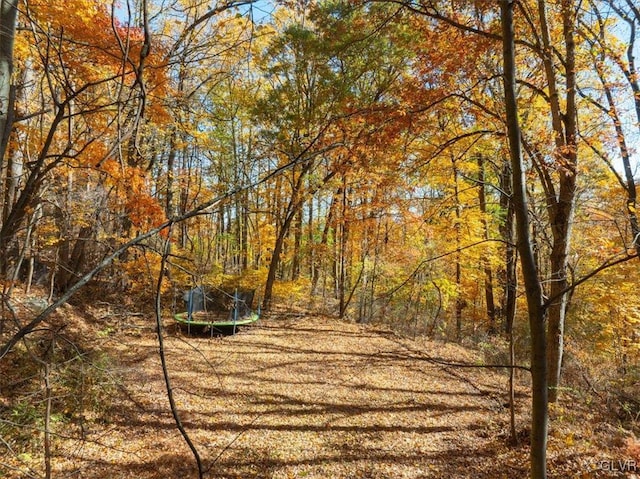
(569, 440)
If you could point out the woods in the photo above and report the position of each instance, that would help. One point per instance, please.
(464, 171)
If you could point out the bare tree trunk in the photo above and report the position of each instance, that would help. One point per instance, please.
(459, 299)
(488, 273)
(436, 315)
(512, 391)
(509, 275)
(171, 159)
(310, 257)
(275, 261)
(47, 418)
(297, 246)
(322, 246)
(8, 19)
(72, 260)
(343, 279)
(244, 233)
(220, 254)
(293, 207)
(560, 202)
(374, 274)
(536, 313)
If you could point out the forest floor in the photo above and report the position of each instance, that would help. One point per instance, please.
(312, 397)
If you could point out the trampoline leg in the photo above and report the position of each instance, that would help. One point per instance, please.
(189, 311)
(235, 310)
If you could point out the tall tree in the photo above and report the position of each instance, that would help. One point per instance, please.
(564, 157)
(606, 49)
(330, 73)
(536, 310)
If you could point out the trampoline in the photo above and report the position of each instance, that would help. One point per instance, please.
(217, 310)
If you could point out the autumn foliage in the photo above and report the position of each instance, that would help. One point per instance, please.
(345, 157)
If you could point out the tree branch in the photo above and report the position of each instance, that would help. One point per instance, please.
(606, 265)
(163, 359)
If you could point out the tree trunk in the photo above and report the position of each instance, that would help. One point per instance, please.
(185, 188)
(171, 160)
(343, 278)
(536, 311)
(293, 207)
(310, 257)
(275, 261)
(244, 234)
(47, 416)
(488, 273)
(513, 433)
(561, 206)
(510, 273)
(459, 299)
(297, 246)
(221, 254)
(557, 312)
(71, 262)
(8, 19)
(322, 246)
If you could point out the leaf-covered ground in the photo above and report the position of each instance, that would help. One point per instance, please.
(308, 397)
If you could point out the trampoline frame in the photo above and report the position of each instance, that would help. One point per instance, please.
(190, 318)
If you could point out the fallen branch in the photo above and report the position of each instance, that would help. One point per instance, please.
(163, 361)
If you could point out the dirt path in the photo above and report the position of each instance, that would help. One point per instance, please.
(306, 398)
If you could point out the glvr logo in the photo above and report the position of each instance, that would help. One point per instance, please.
(626, 465)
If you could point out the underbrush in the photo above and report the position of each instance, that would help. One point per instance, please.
(614, 387)
(50, 386)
